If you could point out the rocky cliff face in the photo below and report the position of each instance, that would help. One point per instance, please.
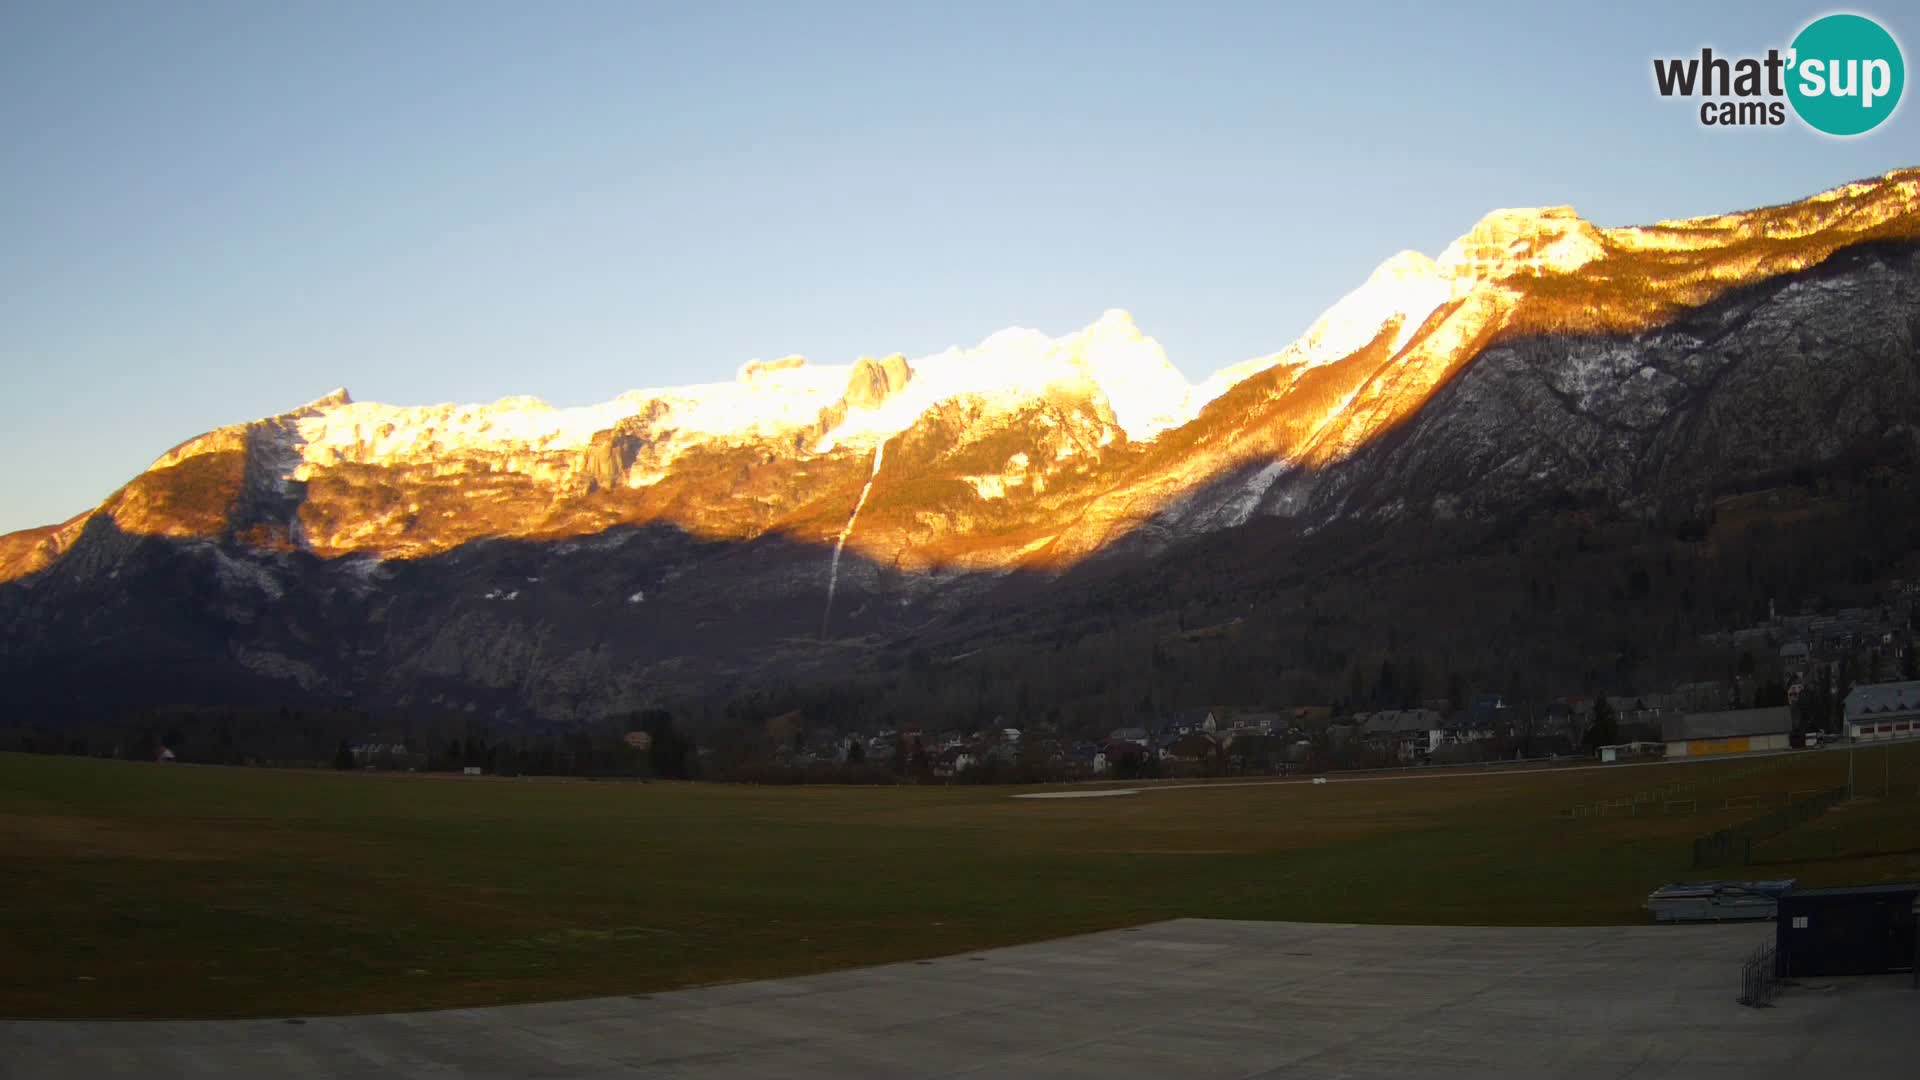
(567, 562)
(1790, 372)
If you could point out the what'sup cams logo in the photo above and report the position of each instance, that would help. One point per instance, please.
(1842, 75)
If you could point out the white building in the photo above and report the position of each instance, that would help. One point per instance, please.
(1883, 711)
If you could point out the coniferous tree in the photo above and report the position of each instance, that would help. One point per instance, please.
(1605, 729)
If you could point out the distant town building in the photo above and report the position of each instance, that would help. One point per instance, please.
(1732, 731)
(1415, 732)
(1190, 720)
(1701, 697)
(1629, 751)
(1266, 723)
(1193, 746)
(1488, 714)
(1883, 711)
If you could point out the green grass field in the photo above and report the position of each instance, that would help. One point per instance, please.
(142, 890)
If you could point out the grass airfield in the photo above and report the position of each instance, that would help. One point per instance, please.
(135, 890)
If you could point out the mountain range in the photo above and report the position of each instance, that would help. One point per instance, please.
(525, 563)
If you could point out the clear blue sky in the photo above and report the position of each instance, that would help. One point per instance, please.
(211, 212)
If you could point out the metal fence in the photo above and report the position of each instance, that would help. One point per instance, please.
(1642, 806)
(1758, 982)
(1680, 797)
(1722, 847)
(1735, 842)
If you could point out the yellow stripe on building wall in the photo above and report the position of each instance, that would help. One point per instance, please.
(1703, 747)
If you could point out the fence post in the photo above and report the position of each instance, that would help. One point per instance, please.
(1757, 977)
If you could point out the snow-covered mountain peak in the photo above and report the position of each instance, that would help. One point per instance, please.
(1402, 267)
(1405, 289)
(337, 396)
(1145, 391)
(375, 433)
(1426, 313)
(1524, 240)
(1114, 324)
(1110, 358)
(1109, 361)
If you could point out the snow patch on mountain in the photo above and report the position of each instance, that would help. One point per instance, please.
(764, 400)
(1407, 287)
(1109, 380)
(1018, 473)
(1109, 364)
(1110, 359)
(240, 575)
(1240, 507)
(1533, 240)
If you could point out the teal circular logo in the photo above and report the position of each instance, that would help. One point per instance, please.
(1847, 74)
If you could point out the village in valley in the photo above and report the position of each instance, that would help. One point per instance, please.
(1798, 681)
(1792, 681)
